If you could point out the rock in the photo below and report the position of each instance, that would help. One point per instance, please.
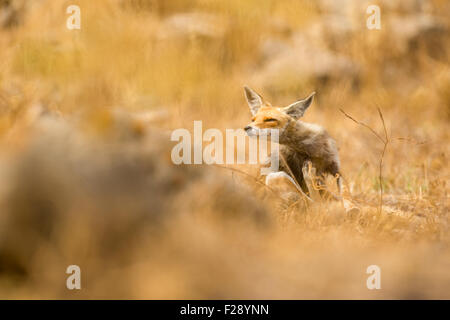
(193, 24)
(332, 30)
(349, 7)
(272, 47)
(118, 192)
(303, 61)
(411, 30)
(12, 12)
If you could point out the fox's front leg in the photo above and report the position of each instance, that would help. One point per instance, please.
(309, 175)
(316, 184)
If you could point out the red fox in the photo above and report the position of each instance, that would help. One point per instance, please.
(306, 149)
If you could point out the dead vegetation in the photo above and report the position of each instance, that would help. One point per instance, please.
(83, 181)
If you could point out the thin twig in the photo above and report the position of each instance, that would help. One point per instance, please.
(385, 141)
(362, 124)
(382, 157)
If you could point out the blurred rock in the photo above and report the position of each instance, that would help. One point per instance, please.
(349, 7)
(411, 31)
(302, 61)
(196, 24)
(407, 21)
(119, 191)
(12, 12)
(273, 47)
(316, 53)
(332, 30)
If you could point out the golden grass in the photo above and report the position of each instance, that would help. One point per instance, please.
(118, 60)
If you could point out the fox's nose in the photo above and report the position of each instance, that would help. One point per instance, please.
(247, 128)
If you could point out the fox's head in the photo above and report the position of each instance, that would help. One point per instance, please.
(265, 116)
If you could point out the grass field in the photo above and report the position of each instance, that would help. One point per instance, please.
(83, 182)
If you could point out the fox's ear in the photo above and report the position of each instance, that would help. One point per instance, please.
(298, 108)
(254, 100)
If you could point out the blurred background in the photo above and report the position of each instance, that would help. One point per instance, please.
(85, 170)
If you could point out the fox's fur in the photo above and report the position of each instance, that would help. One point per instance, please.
(303, 146)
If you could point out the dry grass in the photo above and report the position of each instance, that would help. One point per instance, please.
(92, 188)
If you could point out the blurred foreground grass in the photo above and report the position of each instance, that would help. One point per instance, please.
(82, 183)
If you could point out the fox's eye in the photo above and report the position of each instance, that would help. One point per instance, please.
(253, 119)
(270, 120)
